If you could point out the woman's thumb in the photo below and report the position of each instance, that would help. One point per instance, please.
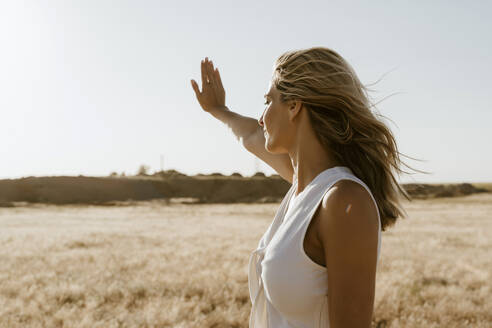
(194, 85)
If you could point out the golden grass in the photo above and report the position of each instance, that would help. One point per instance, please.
(152, 265)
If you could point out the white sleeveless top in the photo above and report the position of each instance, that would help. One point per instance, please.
(287, 288)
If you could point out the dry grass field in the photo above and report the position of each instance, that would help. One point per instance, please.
(156, 265)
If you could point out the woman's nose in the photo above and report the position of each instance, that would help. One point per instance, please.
(260, 120)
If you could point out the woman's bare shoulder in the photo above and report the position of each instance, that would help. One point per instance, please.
(347, 211)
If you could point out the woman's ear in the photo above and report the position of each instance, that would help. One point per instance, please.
(294, 108)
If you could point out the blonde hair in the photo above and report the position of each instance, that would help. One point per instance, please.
(340, 113)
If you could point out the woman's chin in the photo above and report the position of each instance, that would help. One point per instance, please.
(270, 148)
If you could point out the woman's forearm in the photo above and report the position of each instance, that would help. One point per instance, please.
(241, 126)
(249, 133)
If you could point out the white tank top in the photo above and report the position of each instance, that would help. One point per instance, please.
(287, 288)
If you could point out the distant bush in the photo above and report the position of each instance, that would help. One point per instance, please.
(173, 172)
(143, 170)
(113, 174)
(259, 174)
(217, 174)
(235, 174)
(169, 174)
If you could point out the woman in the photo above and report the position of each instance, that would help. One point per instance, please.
(315, 266)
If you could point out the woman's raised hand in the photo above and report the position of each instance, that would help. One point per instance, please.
(212, 96)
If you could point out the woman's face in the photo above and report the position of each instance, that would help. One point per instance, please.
(275, 122)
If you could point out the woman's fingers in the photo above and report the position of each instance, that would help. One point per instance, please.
(210, 73)
(212, 94)
(194, 85)
(210, 77)
(218, 79)
(204, 73)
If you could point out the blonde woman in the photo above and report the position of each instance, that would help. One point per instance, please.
(315, 266)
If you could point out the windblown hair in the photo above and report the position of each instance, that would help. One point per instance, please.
(340, 113)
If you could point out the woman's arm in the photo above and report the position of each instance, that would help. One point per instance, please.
(348, 231)
(246, 129)
(281, 163)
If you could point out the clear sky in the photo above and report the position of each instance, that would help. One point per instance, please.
(91, 87)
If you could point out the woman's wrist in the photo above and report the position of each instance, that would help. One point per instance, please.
(218, 111)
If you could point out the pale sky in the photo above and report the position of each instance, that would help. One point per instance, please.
(91, 87)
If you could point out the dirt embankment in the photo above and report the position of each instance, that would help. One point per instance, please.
(168, 185)
(424, 191)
